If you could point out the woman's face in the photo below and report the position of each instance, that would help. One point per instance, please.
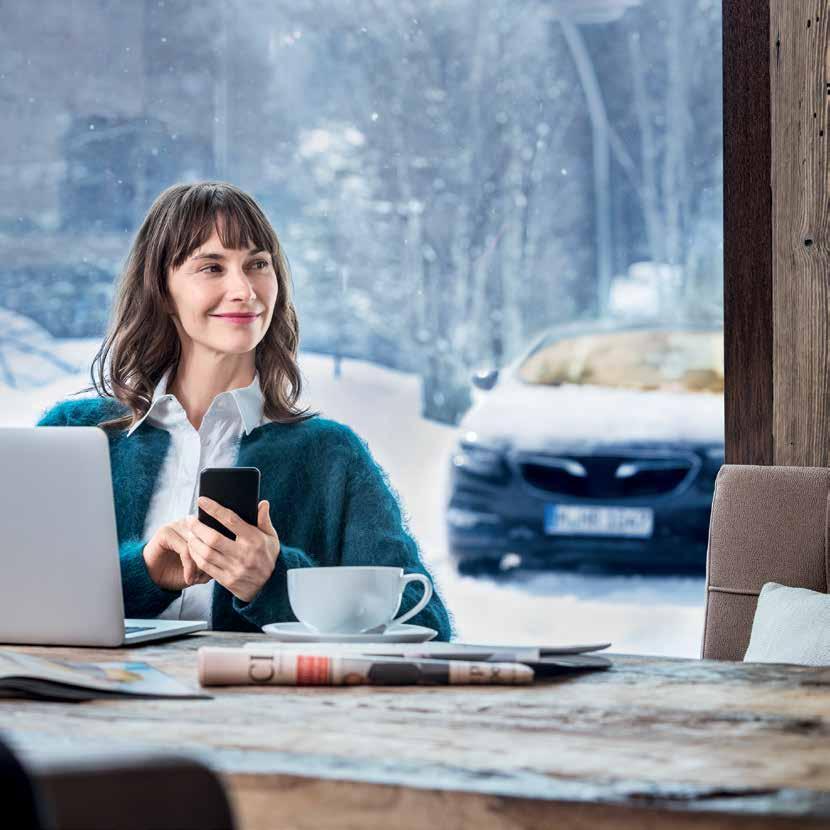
(204, 288)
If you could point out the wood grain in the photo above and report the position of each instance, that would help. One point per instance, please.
(650, 742)
(799, 78)
(776, 96)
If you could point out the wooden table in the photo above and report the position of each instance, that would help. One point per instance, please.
(653, 742)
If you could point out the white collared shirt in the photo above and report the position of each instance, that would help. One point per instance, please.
(215, 444)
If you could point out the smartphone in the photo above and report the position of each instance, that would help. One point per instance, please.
(236, 488)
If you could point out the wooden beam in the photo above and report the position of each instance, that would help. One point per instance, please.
(747, 226)
(799, 77)
(776, 95)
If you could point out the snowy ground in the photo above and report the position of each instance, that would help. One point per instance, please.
(638, 615)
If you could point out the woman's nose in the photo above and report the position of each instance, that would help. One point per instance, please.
(240, 284)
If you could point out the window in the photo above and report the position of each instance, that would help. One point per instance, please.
(504, 227)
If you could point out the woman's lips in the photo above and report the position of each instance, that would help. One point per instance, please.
(240, 320)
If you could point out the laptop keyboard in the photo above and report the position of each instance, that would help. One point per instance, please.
(129, 629)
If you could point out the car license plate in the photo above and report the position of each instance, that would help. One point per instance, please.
(572, 519)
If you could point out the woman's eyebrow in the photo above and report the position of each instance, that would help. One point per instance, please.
(212, 255)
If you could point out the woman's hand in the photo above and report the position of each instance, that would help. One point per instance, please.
(242, 565)
(168, 560)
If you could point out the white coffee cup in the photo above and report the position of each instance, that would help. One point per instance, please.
(349, 599)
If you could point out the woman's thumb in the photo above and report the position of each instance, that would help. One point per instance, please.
(265, 515)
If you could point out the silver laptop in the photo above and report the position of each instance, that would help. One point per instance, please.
(60, 574)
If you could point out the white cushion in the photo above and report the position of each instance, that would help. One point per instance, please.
(791, 625)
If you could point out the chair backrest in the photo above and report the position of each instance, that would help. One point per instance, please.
(139, 790)
(768, 524)
(22, 806)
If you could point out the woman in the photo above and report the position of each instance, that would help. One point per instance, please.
(203, 373)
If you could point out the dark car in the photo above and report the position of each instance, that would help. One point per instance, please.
(598, 447)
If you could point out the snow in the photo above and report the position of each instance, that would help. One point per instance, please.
(637, 614)
(582, 413)
(27, 355)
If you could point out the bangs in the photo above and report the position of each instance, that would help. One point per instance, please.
(239, 223)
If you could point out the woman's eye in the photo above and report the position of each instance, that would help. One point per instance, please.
(262, 262)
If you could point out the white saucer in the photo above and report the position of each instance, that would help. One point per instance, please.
(296, 632)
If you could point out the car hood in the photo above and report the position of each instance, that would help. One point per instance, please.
(531, 417)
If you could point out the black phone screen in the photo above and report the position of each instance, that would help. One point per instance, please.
(236, 488)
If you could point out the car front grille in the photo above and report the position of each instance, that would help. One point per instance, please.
(607, 476)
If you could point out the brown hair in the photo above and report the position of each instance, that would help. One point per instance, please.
(142, 341)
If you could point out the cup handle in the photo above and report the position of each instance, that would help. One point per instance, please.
(405, 580)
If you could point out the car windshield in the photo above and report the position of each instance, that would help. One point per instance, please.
(645, 359)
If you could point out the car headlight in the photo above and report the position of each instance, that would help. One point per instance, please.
(462, 519)
(481, 461)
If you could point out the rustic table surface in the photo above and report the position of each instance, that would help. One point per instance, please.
(652, 742)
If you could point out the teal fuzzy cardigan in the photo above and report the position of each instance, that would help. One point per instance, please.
(330, 503)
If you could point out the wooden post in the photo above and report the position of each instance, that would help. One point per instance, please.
(776, 333)
(747, 233)
(800, 81)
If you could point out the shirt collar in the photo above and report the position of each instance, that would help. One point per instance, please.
(249, 402)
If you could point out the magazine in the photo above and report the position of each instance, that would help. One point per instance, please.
(22, 675)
